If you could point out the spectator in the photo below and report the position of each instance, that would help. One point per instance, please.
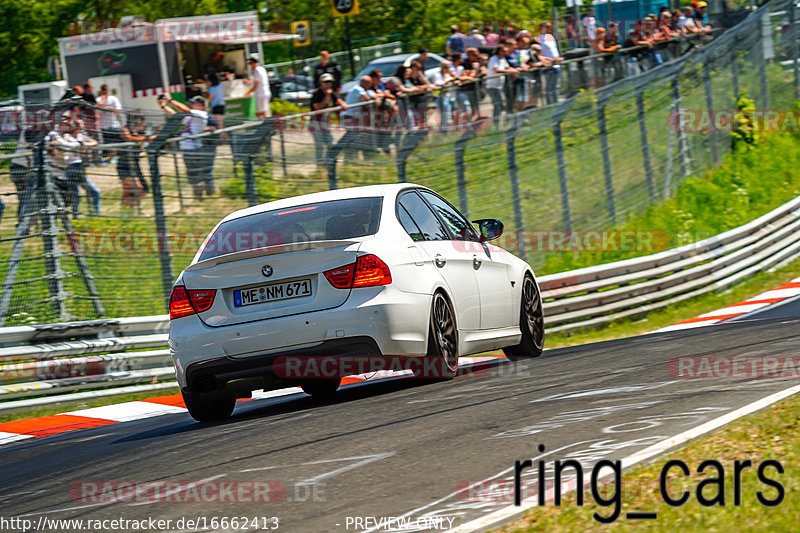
(198, 156)
(599, 46)
(110, 122)
(323, 98)
(589, 24)
(522, 55)
(260, 89)
(20, 171)
(443, 79)
(356, 119)
(463, 73)
(326, 66)
(536, 63)
(386, 109)
(687, 23)
(475, 71)
(73, 141)
(498, 64)
(490, 38)
(419, 100)
(423, 56)
(455, 43)
(475, 39)
(550, 50)
(400, 86)
(134, 185)
(700, 17)
(217, 93)
(573, 35)
(88, 94)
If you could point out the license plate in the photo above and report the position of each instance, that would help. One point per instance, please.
(272, 293)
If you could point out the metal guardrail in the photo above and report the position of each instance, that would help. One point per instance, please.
(51, 359)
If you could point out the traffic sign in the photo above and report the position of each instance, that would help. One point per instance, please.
(344, 8)
(302, 29)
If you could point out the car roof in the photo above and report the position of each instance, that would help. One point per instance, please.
(389, 190)
(399, 57)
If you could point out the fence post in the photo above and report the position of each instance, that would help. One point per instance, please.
(712, 136)
(562, 165)
(793, 38)
(245, 146)
(602, 100)
(735, 74)
(683, 142)
(52, 253)
(511, 154)
(648, 165)
(164, 254)
(461, 172)
(409, 143)
(762, 65)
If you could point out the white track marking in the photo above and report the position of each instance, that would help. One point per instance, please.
(125, 412)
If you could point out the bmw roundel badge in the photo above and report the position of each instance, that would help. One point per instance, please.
(267, 271)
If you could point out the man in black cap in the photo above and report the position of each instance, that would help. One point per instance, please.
(326, 66)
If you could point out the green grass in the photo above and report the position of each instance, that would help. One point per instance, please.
(758, 437)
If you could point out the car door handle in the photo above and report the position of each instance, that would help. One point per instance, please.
(476, 262)
(439, 260)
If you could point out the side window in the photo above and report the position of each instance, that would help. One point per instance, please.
(460, 227)
(418, 220)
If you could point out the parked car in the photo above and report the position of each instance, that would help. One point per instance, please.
(384, 270)
(297, 89)
(387, 65)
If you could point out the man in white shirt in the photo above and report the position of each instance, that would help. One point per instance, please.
(110, 124)
(589, 25)
(498, 64)
(550, 50)
(260, 89)
(198, 154)
(72, 141)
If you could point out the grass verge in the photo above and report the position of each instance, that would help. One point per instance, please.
(758, 437)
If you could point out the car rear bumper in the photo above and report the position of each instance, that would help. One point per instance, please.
(373, 321)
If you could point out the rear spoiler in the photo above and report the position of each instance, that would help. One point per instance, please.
(269, 250)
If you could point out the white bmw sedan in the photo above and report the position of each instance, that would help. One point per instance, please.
(385, 270)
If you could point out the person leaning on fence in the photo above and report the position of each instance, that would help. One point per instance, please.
(322, 98)
(357, 120)
(400, 86)
(498, 69)
(382, 117)
(463, 73)
(550, 50)
(599, 46)
(419, 100)
(444, 79)
(20, 169)
(198, 156)
(134, 185)
(74, 142)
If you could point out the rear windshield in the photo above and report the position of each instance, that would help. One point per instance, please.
(323, 221)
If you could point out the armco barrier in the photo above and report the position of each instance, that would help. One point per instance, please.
(58, 358)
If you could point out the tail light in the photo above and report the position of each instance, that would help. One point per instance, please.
(185, 303)
(367, 271)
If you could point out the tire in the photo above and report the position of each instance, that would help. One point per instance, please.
(442, 340)
(531, 323)
(321, 389)
(209, 408)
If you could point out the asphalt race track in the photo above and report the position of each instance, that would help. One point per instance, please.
(398, 448)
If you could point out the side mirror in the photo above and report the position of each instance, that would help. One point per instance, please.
(490, 228)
